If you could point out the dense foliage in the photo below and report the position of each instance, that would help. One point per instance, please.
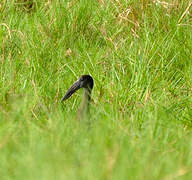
(140, 56)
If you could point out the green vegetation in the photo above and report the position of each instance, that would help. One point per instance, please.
(140, 56)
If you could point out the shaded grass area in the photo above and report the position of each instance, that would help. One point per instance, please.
(139, 54)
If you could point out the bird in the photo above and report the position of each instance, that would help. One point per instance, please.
(86, 82)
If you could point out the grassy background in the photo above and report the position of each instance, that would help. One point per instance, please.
(140, 56)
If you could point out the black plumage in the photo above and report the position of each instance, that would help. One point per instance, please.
(86, 82)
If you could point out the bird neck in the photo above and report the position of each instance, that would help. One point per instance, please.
(84, 107)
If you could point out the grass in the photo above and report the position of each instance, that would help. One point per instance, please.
(139, 54)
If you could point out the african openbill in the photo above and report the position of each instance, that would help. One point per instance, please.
(86, 82)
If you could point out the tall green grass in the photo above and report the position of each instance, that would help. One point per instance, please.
(139, 54)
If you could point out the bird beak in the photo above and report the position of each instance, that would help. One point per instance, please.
(72, 89)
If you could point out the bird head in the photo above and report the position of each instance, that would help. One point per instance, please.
(85, 81)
